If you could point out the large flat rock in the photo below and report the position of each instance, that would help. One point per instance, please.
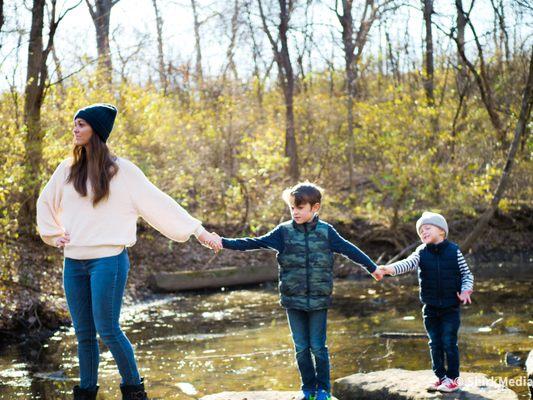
(400, 384)
(266, 395)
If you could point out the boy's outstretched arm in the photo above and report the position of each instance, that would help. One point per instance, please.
(341, 246)
(272, 240)
(467, 279)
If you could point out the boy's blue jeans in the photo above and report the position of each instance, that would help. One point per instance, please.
(94, 290)
(308, 330)
(442, 325)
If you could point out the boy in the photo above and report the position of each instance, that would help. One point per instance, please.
(445, 281)
(305, 247)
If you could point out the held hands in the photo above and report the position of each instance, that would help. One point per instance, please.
(62, 240)
(381, 271)
(387, 270)
(211, 240)
(378, 274)
(464, 297)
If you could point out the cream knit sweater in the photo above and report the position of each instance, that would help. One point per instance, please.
(104, 230)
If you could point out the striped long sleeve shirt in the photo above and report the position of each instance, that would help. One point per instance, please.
(411, 263)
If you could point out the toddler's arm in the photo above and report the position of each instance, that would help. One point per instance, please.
(467, 279)
(407, 265)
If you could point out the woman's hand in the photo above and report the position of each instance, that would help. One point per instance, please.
(211, 240)
(63, 240)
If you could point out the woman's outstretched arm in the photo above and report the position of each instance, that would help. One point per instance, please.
(159, 209)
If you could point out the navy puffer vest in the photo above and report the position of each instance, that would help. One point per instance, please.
(439, 275)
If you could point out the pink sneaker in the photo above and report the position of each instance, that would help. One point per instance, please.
(433, 387)
(448, 385)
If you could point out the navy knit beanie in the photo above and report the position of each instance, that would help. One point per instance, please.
(100, 116)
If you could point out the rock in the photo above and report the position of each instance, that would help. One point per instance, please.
(187, 388)
(214, 278)
(529, 371)
(266, 395)
(515, 359)
(512, 329)
(400, 384)
(52, 376)
(402, 335)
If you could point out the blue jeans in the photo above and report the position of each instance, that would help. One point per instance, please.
(442, 325)
(94, 290)
(308, 329)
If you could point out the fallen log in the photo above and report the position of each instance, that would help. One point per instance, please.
(214, 278)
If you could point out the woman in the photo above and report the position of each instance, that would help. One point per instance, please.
(90, 208)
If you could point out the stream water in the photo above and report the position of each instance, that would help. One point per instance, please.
(194, 344)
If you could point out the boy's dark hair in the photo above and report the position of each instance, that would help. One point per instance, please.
(303, 193)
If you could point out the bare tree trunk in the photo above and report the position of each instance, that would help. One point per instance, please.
(301, 83)
(101, 15)
(382, 25)
(198, 47)
(59, 72)
(160, 54)
(34, 92)
(503, 52)
(230, 52)
(331, 71)
(256, 55)
(503, 35)
(429, 88)
(286, 72)
(290, 138)
(346, 20)
(481, 79)
(33, 96)
(520, 131)
(462, 76)
(1, 17)
(429, 83)
(353, 44)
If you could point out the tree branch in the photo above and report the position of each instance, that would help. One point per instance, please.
(520, 131)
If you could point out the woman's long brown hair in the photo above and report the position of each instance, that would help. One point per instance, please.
(98, 165)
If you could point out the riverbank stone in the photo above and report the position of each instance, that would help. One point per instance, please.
(400, 384)
(264, 395)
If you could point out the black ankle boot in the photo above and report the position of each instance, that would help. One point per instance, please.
(84, 394)
(134, 392)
